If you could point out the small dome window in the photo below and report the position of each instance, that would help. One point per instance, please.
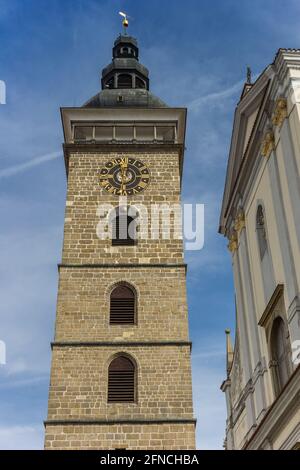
(125, 81)
(110, 83)
(139, 83)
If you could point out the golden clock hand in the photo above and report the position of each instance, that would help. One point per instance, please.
(123, 175)
(124, 165)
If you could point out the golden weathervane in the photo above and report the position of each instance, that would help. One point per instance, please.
(125, 22)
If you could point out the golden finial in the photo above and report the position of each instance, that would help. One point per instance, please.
(125, 21)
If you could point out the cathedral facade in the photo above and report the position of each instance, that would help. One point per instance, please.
(261, 218)
(121, 372)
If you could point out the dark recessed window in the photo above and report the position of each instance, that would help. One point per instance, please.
(122, 306)
(124, 81)
(123, 229)
(165, 133)
(121, 381)
(124, 133)
(83, 133)
(139, 83)
(144, 133)
(103, 133)
(279, 353)
(110, 83)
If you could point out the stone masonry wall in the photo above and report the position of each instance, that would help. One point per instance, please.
(84, 299)
(81, 244)
(125, 436)
(79, 383)
(79, 416)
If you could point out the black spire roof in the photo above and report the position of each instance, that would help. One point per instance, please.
(125, 82)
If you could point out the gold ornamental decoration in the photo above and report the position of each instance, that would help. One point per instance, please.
(280, 112)
(239, 222)
(124, 176)
(233, 242)
(268, 144)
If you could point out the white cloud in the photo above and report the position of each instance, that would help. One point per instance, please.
(208, 354)
(214, 98)
(28, 291)
(19, 168)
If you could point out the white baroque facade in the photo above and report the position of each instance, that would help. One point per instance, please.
(261, 218)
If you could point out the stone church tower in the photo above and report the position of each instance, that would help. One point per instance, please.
(261, 218)
(121, 374)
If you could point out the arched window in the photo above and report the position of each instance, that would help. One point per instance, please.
(261, 231)
(279, 354)
(127, 51)
(121, 380)
(123, 228)
(139, 83)
(124, 81)
(122, 305)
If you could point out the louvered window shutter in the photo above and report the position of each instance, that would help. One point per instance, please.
(120, 235)
(122, 306)
(121, 381)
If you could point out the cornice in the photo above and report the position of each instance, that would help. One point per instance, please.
(252, 148)
(109, 422)
(274, 111)
(121, 265)
(119, 344)
(117, 146)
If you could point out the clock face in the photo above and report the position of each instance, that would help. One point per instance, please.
(124, 176)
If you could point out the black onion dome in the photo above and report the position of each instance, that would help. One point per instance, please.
(125, 82)
(124, 98)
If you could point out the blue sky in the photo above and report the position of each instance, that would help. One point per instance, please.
(51, 54)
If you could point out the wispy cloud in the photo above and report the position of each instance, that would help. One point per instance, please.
(212, 98)
(192, 70)
(214, 353)
(24, 382)
(15, 169)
